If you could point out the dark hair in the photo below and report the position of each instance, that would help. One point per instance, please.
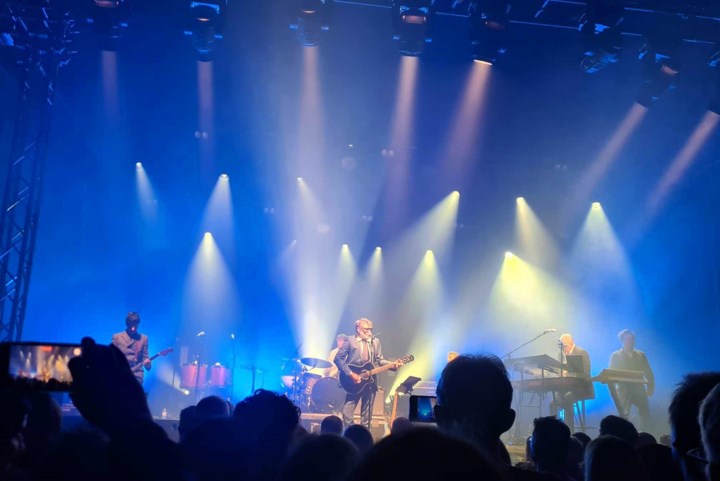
(550, 441)
(475, 384)
(132, 319)
(584, 438)
(685, 407)
(339, 458)
(423, 454)
(359, 436)
(608, 458)
(332, 425)
(268, 412)
(211, 407)
(709, 420)
(622, 428)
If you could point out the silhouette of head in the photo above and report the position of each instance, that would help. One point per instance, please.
(474, 396)
(608, 458)
(424, 454)
(331, 425)
(339, 457)
(710, 430)
(684, 410)
(211, 407)
(620, 428)
(400, 424)
(359, 436)
(549, 447)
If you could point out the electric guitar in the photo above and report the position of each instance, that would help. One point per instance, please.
(136, 366)
(366, 372)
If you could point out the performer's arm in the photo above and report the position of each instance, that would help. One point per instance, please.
(379, 359)
(650, 377)
(146, 355)
(341, 358)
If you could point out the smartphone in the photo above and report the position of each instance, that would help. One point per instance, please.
(422, 409)
(38, 365)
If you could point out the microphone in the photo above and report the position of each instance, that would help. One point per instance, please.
(200, 334)
(546, 331)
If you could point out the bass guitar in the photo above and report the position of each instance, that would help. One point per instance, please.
(367, 372)
(138, 365)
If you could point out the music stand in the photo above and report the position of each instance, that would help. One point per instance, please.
(407, 385)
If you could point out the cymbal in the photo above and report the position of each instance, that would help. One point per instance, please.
(314, 362)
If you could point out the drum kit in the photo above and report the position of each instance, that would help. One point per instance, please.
(220, 376)
(311, 391)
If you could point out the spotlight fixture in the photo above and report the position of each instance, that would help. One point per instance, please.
(309, 18)
(488, 25)
(207, 21)
(661, 66)
(412, 22)
(601, 34)
(109, 19)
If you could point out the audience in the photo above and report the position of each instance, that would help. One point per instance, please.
(710, 431)
(609, 458)
(400, 424)
(360, 437)
(684, 426)
(338, 458)
(620, 428)
(332, 425)
(424, 454)
(263, 439)
(549, 446)
(211, 407)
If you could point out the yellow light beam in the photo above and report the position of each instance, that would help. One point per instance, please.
(535, 243)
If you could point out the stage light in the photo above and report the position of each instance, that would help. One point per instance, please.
(509, 255)
(412, 22)
(138, 165)
(456, 194)
(378, 249)
(207, 235)
(601, 34)
(207, 21)
(224, 177)
(660, 63)
(345, 246)
(300, 180)
(309, 18)
(488, 24)
(109, 20)
(520, 200)
(596, 206)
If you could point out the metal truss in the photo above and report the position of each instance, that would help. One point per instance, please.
(35, 36)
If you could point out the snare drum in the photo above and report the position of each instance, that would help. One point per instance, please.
(327, 396)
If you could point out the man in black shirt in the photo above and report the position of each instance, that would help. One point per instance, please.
(629, 359)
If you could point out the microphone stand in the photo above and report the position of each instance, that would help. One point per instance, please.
(197, 376)
(232, 369)
(509, 354)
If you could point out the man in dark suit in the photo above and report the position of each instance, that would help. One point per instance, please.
(133, 345)
(358, 350)
(569, 348)
(630, 359)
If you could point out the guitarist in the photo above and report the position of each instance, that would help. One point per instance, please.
(358, 350)
(133, 345)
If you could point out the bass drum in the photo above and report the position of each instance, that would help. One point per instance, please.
(327, 396)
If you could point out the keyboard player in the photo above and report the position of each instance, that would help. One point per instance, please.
(630, 359)
(576, 361)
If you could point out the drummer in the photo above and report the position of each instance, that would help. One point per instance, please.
(333, 371)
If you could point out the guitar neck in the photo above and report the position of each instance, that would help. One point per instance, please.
(380, 369)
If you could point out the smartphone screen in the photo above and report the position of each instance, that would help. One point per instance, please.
(422, 409)
(41, 366)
